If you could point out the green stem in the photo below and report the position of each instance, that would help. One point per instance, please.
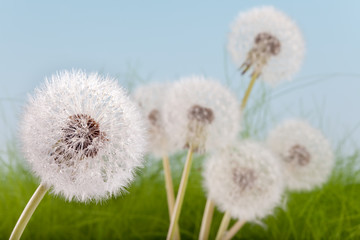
(180, 196)
(28, 211)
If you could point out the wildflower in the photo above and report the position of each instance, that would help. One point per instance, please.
(244, 180)
(306, 155)
(150, 99)
(202, 113)
(267, 41)
(83, 136)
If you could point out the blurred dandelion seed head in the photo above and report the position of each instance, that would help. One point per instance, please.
(244, 179)
(298, 155)
(199, 117)
(150, 98)
(268, 41)
(202, 113)
(83, 136)
(305, 153)
(155, 118)
(267, 44)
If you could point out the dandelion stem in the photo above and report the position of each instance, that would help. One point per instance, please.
(223, 226)
(181, 193)
(206, 220)
(170, 191)
(248, 90)
(234, 229)
(28, 211)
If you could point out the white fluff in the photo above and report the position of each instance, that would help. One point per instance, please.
(216, 99)
(245, 179)
(83, 136)
(150, 99)
(249, 24)
(306, 155)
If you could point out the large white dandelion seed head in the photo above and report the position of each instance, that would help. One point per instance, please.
(245, 179)
(83, 136)
(269, 42)
(150, 99)
(306, 155)
(202, 113)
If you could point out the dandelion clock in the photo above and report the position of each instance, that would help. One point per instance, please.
(150, 98)
(267, 41)
(244, 181)
(82, 137)
(306, 155)
(200, 112)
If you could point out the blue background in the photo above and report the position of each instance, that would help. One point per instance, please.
(163, 40)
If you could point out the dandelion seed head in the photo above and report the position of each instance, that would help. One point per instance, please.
(305, 154)
(154, 118)
(150, 98)
(200, 112)
(244, 179)
(83, 136)
(269, 42)
(298, 155)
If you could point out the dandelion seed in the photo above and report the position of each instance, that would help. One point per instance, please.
(244, 180)
(307, 157)
(267, 41)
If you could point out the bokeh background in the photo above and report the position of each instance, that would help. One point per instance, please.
(141, 41)
(163, 40)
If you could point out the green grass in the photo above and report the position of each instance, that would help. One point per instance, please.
(331, 212)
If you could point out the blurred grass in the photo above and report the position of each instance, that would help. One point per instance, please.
(331, 212)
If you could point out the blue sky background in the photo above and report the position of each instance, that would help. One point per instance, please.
(163, 40)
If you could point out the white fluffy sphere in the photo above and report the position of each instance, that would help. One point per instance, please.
(306, 155)
(201, 112)
(83, 136)
(268, 41)
(150, 98)
(245, 180)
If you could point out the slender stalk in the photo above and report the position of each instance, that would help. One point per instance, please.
(223, 226)
(209, 208)
(170, 191)
(248, 90)
(169, 185)
(206, 220)
(234, 229)
(181, 193)
(28, 211)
